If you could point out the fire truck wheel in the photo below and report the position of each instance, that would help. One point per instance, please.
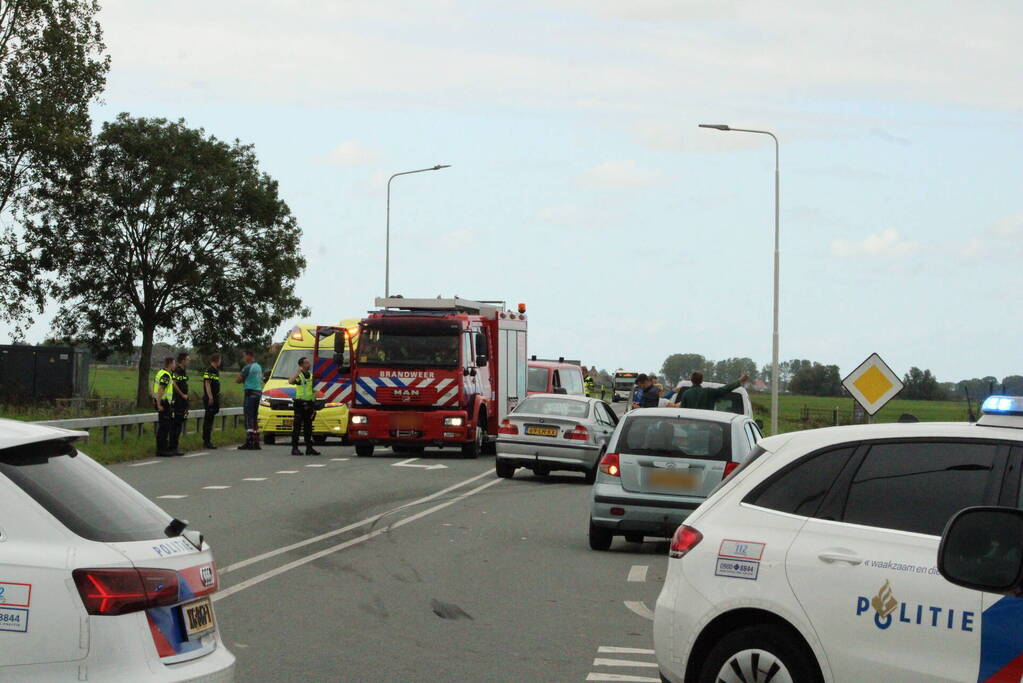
(269, 438)
(472, 449)
(364, 450)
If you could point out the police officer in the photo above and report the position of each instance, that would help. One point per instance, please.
(588, 381)
(179, 379)
(163, 394)
(210, 399)
(305, 407)
(251, 379)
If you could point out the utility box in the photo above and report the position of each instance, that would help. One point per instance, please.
(30, 374)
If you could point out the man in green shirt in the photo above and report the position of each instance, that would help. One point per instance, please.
(702, 398)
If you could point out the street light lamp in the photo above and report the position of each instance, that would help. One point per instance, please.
(775, 381)
(387, 257)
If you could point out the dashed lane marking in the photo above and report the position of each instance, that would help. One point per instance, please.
(639, 608)
(254, 479)
(611, 650)
(316, 465)
(599, 661)
(621, 677)
(216, 488)
(287, 472)
(349, 527)
(638, 573)
(174, 496)
(227, 592)
(196, 455)
(340, 459)
(143, 464)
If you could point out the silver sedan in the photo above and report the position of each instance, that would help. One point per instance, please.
(549, 432)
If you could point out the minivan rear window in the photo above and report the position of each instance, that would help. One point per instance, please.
(675, 437)
(81, 494)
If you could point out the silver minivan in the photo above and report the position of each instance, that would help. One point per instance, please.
(661, 463)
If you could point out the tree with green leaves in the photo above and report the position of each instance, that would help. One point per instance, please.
(680, 366)
(815, 379)
(922, 385)
(51, 67)
(166, 229)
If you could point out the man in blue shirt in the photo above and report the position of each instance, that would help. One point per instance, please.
(251, 379)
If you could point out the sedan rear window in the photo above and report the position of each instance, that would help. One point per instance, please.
(675, 437)
(81, 494)
(558, 407)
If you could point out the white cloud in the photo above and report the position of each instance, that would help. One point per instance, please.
(1010, 226)
(619, 175)
(351, 153)
(885, 244)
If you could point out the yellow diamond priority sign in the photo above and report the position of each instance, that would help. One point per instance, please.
(873, 384)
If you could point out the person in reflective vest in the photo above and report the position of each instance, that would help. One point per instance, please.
(305, 407)
(163, 394)
(588, 381)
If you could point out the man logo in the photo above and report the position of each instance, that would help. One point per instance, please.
(206, 575)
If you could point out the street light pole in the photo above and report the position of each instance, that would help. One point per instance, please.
(775, 378)
(387, 256)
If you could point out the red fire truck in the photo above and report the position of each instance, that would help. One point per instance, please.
(438, 373)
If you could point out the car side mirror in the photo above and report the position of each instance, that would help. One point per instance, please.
(982, 548)
(482, 349)
(481, 361)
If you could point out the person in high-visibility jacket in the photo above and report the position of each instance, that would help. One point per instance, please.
(305, 407)
(588, 381)
(163, 394)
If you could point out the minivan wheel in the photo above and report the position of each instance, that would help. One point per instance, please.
(364, 450)
(758, 654)
(600, 539)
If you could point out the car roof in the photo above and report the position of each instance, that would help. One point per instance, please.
(551, 364)
(691, 413)
(812, 439)
(685, 384)
(17, 433)
(571, 397)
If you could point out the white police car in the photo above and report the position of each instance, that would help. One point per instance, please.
(96, 582)
(817, 560)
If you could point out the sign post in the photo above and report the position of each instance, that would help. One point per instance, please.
(873, 384)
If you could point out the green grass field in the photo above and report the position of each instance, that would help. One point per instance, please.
(108, 381)
(821, 407)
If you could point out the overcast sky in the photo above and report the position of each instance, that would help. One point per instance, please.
(581, 185)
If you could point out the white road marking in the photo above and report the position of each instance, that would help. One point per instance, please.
(174, 496)
(340, 459)
(611, 650)
(285, 472)
(623, 662)
(254, 479)
(216, 488)
(349, 543)
(143, 464)
(316, 465)
(638, 573)
(344, 529)
(408, 463)
(196, 455)
(640, 608)
(622, 677)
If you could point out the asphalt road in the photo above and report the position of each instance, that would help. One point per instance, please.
(339, 568)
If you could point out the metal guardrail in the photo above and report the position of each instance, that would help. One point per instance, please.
(125, 422)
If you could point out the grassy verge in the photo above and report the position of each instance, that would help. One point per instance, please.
(134, 447)
(113, 381)
(790, 409)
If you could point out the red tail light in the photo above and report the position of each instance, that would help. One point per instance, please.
(685, 539)
(120, 591)
(507, 428)
(609, 465)
(580, 433)
(729, 468)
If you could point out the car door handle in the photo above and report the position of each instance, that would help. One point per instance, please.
(839, 555)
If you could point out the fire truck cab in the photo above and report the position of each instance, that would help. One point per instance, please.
(438, 373)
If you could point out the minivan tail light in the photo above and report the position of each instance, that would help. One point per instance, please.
(122, 591)
(729, 468)
(580, 433)
(507, 428)
(685, 539)
(609, 465)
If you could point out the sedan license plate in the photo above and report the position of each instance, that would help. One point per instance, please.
(542, 431)
(674, 480)
(198, 617)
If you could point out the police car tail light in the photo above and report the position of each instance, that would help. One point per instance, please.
(730, 467)
(580, 433)
(122, 591)
(685, 539)
(507, 428)
(609, 465)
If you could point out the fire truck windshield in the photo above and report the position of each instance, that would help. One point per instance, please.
(398, 348)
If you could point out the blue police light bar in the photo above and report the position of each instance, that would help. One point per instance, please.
(1003, 405)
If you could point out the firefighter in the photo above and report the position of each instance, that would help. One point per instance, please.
(305, 407)
(251, 378)
(163, 394)
(179, 380)
(210, 400)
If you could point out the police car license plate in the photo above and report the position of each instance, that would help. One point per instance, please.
(542, 431)
(198, 617)
(674, 480)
